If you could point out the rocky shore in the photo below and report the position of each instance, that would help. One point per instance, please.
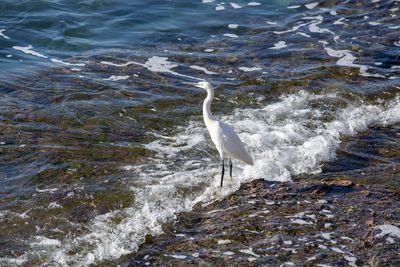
(335, 223)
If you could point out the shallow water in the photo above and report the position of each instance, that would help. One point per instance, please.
(102, 139)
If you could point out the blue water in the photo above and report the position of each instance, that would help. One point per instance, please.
(101, 133)
(63, 29)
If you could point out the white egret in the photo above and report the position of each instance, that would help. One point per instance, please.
(225, 139)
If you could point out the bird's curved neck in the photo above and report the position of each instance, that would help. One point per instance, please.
(207, 106)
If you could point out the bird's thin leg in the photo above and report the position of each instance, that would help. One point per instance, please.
(230, 169)
(223, 170)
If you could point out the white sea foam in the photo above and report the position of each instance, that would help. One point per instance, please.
(279, 45)
(333, 12)
(300, 221)
(339, 21)
(7, 261)
(294, 28)
(390, 240)
(116, 65)
(388, 229)
(28, 50)
(3, 35)
(155, 64)
(203, 69)
(67, 63)
(250, 252)
(117, 77)
(54, 205)
(43, 242)
(347, 59)
(311, 5)
(288, 263)
(249, 69)
(259, 213)
(374, 23)
(318, 17)
(347, 238)
(2, 215)
(304, 34)
(47, 190)
(233, 26)
(179, 257)
(159, 64)
(224, 241)
(293, 7)
(234, 5)
(314, 28)
(351, 260)
(336, 53)
(327, 236)
(338, 250)
(254, 4)
(231, 35)
(311, 258)
(219, 8)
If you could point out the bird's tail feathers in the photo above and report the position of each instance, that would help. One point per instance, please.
(247, 159)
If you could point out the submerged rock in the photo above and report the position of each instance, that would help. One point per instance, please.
(84, 213)
(284, 224)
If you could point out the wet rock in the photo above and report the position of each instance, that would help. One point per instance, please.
(336, 223)
(84, 213)
(101, 210)
(81, 214)
(344, 183)
(320, 189)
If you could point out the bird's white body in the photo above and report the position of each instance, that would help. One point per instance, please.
(225, 139)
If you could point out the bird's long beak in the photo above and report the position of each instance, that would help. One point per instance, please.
(198, 84)
(189, 83)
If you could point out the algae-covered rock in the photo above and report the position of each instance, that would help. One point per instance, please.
(336, 223)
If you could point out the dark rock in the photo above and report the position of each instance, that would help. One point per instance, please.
(81, 214)
(270, 224)
(320, 189)
(84, 213)
(345, 183)
(101, 210)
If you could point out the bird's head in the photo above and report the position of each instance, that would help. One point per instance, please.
(204, 85)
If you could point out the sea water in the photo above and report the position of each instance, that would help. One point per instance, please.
(101, 135)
